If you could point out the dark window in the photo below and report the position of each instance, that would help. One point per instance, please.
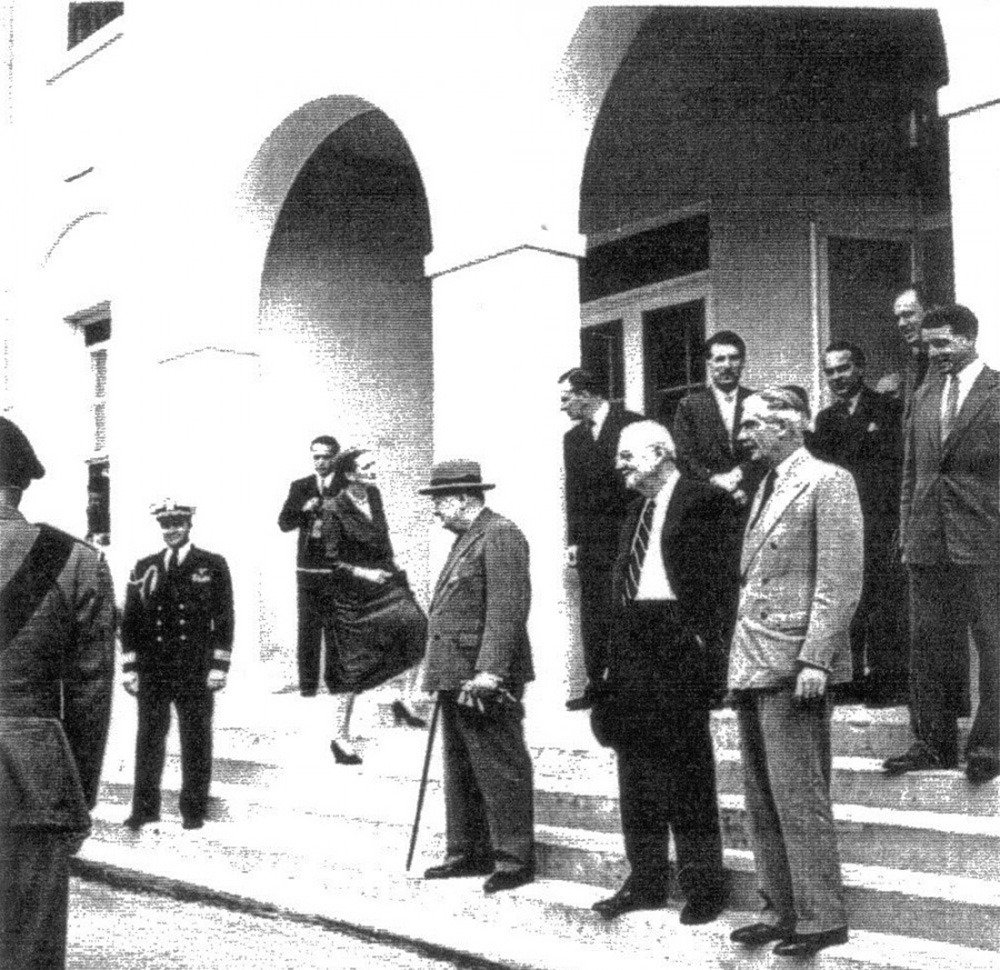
(865, 275)
(88, 18)
(97, 332)
(99, 503)
(602, 353)
(665, 253)
(674, 338)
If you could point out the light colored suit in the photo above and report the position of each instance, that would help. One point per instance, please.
(801, 571)
(477, 621)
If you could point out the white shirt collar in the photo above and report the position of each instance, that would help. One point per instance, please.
(182, 553)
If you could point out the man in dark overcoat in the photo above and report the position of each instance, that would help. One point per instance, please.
(478, 660)
(669, 603)
(862, 432)
(596, 500)
(57, 624)
(177, 637)
(303, 511)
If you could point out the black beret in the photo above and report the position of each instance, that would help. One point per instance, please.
(18, 464)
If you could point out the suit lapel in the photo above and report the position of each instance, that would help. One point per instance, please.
(786, 490)
(978, 398)
(461, 546)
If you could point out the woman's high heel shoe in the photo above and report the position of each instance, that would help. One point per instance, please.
(343, 757)
(400, 715)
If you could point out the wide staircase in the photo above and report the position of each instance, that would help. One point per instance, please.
(294, 835)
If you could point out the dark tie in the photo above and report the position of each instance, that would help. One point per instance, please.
(637, 554)
(766, 490)
(950, 408)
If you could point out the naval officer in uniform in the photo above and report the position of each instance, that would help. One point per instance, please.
(177, 635)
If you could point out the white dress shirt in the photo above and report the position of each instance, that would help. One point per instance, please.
(653, 581)
(598, 418)
(966, 377)
(726, 400)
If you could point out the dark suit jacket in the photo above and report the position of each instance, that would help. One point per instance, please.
(310, 552)
(704, 447)
(178, 626)
(949, 510)
(479, 611)
(596, 497)
(56, 683)
(653, 686)
(869, 444)
(351, 537)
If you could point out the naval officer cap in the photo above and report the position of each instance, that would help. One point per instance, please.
(171, 509)
(19, 465)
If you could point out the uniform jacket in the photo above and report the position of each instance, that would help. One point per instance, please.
(178, 625)
(479, 611)
(801, 573)
(869, 444)
(596, 497)
(310, 551)
(56, 682)
(704, 446)
(949, 499)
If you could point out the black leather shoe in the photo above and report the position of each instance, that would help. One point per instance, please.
(343, 757)
(918, 758)
(582, 703)
(456, 870)
(981, 765)
(702, 909)
(628, 900)
(757, 934)
(136, 822)
(402, 715)
(508, 880)
(806, 944)
(193, 823)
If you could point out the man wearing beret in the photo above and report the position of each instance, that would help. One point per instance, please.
(478, 660)
(177, 635)
(57, 623)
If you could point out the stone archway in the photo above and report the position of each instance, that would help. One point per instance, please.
(344, 327)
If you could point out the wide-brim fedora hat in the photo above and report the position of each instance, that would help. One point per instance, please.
(456, 475)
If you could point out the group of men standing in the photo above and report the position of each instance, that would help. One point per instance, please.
(780, 560)
(746, 553)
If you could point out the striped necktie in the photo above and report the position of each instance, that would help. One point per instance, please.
(637, 554)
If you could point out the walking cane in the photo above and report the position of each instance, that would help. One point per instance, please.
(423, 781)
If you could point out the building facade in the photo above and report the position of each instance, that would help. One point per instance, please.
(234, 228)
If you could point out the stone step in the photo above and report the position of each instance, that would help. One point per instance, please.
(259, 838)
(546, 925)
(595, 856)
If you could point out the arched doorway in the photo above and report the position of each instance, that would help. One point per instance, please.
(775, 172)
(344, 328)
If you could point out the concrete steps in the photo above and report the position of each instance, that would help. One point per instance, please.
(315, 867)
(919, 852)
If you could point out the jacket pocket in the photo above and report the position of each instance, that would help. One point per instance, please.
(39, 782)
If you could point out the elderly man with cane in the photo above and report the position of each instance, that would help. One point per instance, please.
(478, 660)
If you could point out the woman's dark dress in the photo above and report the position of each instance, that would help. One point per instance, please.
(381, 631)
